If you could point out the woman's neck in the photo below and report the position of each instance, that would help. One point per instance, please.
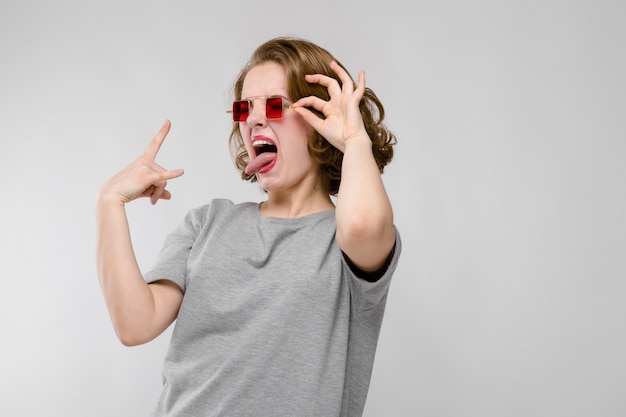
(290, 205)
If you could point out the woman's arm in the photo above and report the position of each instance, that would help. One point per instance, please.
(365, 231)
(139, 311)
(364, 215)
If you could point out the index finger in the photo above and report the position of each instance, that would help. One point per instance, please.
(154, 146)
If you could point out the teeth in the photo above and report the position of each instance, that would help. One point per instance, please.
(258, 143)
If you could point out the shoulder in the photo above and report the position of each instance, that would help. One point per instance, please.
(219, 209)
(221, 205)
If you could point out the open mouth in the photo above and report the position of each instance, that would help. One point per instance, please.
(265, 154)
(261, 146)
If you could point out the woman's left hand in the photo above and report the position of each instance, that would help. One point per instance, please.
(342, 118)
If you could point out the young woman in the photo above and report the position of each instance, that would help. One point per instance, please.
(278, 305)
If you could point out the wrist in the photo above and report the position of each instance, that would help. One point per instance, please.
(107, 199)
(358, 141)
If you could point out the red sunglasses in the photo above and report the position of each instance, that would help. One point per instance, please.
(274, 106)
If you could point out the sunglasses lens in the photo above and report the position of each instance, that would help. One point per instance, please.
(240, 110)
(274, 108)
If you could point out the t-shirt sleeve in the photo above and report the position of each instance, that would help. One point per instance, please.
(369, 294)
(171, 263)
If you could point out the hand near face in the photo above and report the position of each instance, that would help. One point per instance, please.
(343, 119)
(144, 177)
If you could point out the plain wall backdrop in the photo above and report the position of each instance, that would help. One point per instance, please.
(508, 187)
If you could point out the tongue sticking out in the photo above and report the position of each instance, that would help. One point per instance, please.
(261, 161)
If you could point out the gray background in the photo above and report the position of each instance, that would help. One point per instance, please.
(508, 189)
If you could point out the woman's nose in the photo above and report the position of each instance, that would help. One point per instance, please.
(256, 114)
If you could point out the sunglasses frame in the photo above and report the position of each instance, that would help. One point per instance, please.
(249, 102)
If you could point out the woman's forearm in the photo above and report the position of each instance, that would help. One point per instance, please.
(128, 297)
(364, 214)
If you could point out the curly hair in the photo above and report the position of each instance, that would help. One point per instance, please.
(300, 57)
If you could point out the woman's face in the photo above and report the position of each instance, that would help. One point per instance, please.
(285, 164)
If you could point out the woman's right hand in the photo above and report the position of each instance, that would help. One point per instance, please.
(142, 178)
(139, 311)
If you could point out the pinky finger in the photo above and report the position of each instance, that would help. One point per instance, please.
(361, 86)
(163, 195)
(157, 190)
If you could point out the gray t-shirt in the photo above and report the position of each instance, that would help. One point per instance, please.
(273, 320)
